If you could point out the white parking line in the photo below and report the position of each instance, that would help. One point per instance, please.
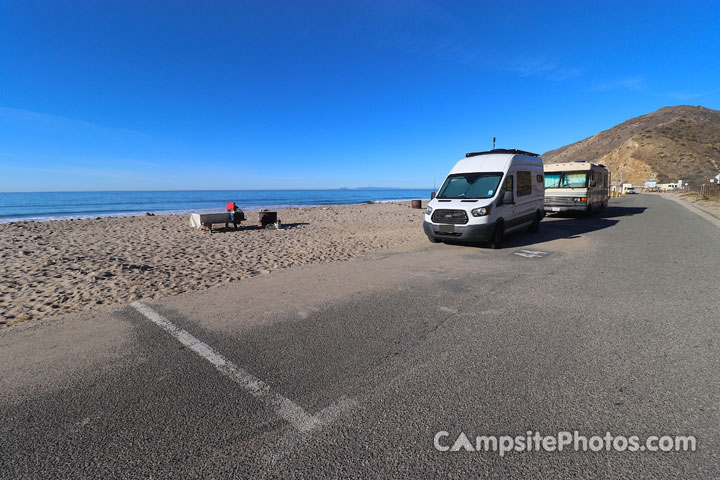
(284, 407)
(530, 253)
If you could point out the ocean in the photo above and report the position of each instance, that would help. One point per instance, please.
(43, 206)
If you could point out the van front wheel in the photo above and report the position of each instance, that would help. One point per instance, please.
(497, 236)
(535, 225)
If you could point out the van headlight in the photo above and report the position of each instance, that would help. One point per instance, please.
(481, 211)
(428, 210)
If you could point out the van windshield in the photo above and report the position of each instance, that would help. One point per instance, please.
(565, 179)
(470, 185)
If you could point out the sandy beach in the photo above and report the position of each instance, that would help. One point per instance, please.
(62, 266)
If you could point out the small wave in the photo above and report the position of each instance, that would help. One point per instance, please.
(51, 218)
(15, 218)
(394, 200)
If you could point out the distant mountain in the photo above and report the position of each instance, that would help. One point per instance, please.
(670, 144)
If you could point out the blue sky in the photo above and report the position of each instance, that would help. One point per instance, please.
(203, 95)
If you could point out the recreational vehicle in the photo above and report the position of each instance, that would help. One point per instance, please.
(487, 195)
(576, 187)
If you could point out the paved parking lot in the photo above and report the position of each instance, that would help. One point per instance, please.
(350, 369)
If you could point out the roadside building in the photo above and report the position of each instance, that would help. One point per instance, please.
(650, 184)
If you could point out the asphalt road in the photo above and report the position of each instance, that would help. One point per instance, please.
(607, 323)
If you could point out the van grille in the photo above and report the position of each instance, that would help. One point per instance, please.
(449, 216)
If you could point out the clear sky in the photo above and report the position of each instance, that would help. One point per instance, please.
(125, 95)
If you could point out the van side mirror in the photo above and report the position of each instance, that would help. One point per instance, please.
(432, 195)
(507, 197)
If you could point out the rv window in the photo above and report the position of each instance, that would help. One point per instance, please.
(552, 179)
(566, 179)
(575, 179)
(524, 184)
(470, 185)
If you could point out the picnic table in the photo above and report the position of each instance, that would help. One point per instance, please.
(206, 220)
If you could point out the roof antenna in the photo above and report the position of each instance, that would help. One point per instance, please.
(493, 143)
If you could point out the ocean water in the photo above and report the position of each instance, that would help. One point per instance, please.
(15, 207)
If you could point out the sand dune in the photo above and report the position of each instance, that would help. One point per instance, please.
(68, 265)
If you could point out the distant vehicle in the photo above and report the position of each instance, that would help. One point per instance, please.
(486, 196)
(630, 190)
(576, 187)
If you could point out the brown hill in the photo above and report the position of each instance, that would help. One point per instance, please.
(672, 143)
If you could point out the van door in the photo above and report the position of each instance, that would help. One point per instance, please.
(506, 200)
(525, 200)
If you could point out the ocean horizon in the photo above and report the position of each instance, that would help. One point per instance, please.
(46, 206)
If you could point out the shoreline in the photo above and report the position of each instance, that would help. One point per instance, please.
(62, 266)
(188, 211)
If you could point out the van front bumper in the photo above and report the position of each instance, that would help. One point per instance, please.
(470, 233)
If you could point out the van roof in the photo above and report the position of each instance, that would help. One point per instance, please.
(496, 161)
(502, 150)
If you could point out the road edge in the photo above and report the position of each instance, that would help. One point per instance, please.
(707, 216)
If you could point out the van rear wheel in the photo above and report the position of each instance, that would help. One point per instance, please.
(497, 236)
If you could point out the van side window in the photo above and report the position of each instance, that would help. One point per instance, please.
(524, 186)
(507, 188)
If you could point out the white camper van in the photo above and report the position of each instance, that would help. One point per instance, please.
(486, 195)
